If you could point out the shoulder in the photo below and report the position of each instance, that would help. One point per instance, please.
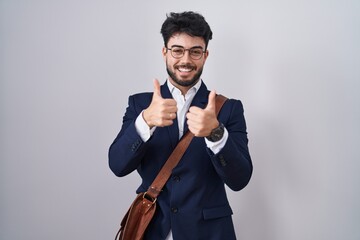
(232, 104)
(140, 96)
(140, 100)
(232, 109)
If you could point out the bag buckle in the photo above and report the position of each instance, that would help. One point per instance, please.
(145, 195)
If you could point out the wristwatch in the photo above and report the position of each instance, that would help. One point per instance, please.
(216, 134)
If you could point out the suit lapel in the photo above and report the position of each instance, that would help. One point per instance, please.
(173, 130)
(201, 98)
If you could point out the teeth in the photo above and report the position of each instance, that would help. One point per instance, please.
(185, 69)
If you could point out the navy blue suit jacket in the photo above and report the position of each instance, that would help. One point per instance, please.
(193, 203)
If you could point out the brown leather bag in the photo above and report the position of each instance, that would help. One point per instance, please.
(143, 208)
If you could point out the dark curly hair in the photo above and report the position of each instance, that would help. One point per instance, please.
(191, 23)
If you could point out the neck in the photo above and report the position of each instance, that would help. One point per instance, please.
(182, 87)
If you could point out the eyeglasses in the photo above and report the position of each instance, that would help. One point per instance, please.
(178, 52)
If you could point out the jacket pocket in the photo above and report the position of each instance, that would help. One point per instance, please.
(218, 212)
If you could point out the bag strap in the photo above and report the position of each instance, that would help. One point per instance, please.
(165, 172)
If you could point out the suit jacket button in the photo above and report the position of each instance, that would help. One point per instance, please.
(176, 178)
(222, 160)
(174, 210)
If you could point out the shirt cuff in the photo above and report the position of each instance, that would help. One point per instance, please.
(216, 147)
(142, 128)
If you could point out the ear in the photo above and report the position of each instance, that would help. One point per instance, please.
(163, 51)
(206, 54)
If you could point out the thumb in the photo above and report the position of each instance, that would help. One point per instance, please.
(157, 91)
(211, 101)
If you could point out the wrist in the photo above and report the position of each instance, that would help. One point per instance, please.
(145, 117)
(217, 133)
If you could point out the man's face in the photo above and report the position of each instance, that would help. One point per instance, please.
(184, 71)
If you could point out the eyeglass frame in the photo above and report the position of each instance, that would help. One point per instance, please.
(186, 49)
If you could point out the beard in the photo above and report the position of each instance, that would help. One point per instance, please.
(184, 83)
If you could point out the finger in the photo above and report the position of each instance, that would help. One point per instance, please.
(211, 101)
(193, 128)
(195, 110)
(157, 91)
(165, 122)
(170, 103)
(192, 118)
(172, 115)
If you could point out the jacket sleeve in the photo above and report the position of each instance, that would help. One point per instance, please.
(127, 150)
(233, 162)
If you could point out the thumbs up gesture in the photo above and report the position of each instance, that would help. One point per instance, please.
(202, 121)
(161, 112)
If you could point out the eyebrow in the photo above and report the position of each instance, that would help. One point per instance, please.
(184, 47)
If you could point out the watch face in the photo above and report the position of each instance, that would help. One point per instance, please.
(217, 133)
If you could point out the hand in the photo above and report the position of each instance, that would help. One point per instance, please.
(202, 121)
(161, 112)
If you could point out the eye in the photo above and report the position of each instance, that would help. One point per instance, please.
(177, 51)
(196, 51)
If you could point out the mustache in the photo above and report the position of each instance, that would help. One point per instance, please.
(188, 65)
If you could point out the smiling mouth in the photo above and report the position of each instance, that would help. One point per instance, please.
(185, 68)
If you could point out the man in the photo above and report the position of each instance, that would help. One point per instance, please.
(193, 203)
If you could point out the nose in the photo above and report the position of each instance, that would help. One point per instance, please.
(186, 55)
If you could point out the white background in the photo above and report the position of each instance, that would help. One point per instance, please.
(67, 68)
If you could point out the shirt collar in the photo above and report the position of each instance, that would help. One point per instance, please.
(173, 90)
